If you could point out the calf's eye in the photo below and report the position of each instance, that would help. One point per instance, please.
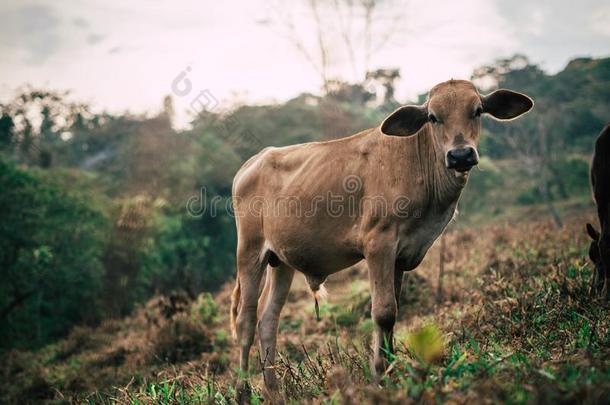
(432, 118)
(478, 112)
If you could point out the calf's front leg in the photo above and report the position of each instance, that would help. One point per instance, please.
(384, 307)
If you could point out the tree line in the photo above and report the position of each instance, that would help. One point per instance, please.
(94, 216)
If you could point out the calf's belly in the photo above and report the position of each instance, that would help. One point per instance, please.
(317, 260)
(314, 254)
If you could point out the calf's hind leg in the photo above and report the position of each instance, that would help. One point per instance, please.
(250, 269)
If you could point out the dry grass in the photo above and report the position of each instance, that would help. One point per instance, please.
(516, 325)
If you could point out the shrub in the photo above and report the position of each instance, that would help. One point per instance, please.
(205, 309)
(51, 248)
(180, 340)
(187, 253)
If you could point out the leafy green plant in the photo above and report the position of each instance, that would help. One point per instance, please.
(426, 343)
(205, 309)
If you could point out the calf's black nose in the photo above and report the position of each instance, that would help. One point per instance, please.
(462, 159)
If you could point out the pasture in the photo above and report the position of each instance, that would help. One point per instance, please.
(513, 322)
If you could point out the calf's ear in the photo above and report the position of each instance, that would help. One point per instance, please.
(592, 232)
(405, 121)
(505, 104)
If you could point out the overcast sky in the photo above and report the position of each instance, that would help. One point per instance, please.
(125, 55)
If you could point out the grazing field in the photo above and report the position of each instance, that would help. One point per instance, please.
(512, 321)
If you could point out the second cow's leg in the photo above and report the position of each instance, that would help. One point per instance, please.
(280, 280)
(382, 275)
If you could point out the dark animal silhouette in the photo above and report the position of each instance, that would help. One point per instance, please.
(599, 251)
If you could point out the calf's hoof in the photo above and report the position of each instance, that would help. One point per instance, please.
(243, 393)
(378, 366)
(273, 396)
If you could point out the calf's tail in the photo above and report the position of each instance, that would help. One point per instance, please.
(234, 304)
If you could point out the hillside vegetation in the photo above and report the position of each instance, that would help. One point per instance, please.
(514, 322)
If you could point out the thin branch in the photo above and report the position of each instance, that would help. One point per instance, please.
(17, 300)
(321, 43)
(346, 33)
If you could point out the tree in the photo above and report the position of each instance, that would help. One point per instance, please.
(35, 121)
(527, 139)
(347, 34)
(343, 30)
(387, 78)
(51, 244)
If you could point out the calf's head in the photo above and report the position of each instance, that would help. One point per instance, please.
(453, 111)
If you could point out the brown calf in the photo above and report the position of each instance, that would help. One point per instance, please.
(383, 195)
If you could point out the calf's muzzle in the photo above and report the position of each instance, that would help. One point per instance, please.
(462, 159)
